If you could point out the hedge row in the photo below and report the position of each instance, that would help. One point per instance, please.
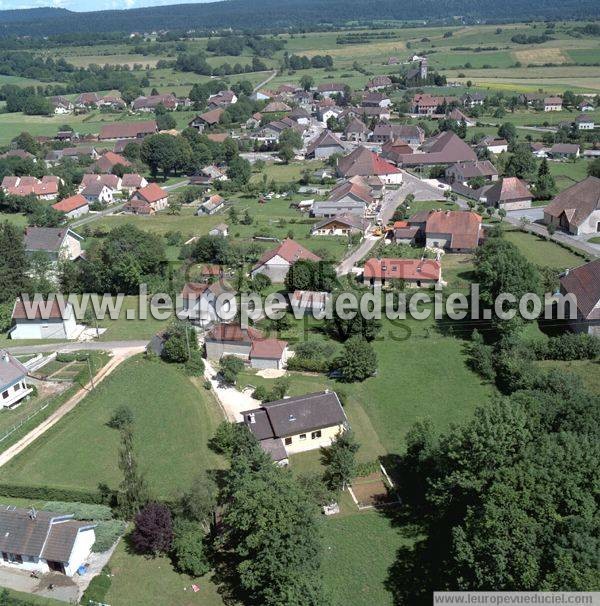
(51, 493)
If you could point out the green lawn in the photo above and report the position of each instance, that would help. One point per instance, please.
(139, 581)
(568, 173)
(587, 370)
(174, 418)
(543, 252)
(358, 552)
(33, 599)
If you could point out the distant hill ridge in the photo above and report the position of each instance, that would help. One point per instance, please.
(238, 14)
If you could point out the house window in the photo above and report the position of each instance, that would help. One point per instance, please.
(5, 394)
(288, 441)
(17, 386)
(315, 434)
(303, 436)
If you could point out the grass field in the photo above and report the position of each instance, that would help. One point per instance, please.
(587, 370)
(542, 252)
(174, 417)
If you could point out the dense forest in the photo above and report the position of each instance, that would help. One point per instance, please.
(239, 14)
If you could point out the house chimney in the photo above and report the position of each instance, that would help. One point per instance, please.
(5, 357)
(252, 418)
(32, 513)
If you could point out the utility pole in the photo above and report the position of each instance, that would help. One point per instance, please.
(187, 341)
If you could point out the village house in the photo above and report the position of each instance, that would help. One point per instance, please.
(385, 131)
(18, 153)
(586, 106)
(583, 283)
(201, 304)
(275, 107)
(13, 381)
(576, 210)
(132, 181)
(330, 89)
(363, 162)
(98, 192)
(149, 104)
(128, 130)
(147, 200)
(276, 263)
(375, 99)
(443, 149)
(42, 541)
(493, 145)
(211, 205)
(356, 130)
(403, 233)
(207, 119)
(222, 99)
(564, 151)
(298, 424)
(462, 172)
(246, 343)
(340, 225)
(76, 153)
(45, 188)
(221, 229)
(509, 193)
(453, 230)
(473, 99)
(347, 198)
(415, 273)
(48, 320)
(459, 117)
(57, 243)
(325, 145)
(300, 115)
(87, 100)
(427, 105)
(395, 150)
(111, 102)
(368, 114)
(108, 160)
(61, 105)
(584, 122)
(272, 130)
(112, 182)
(309, 302)
(378, 83)
(73, 206)
(553, 104)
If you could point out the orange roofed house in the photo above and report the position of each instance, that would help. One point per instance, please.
(73, 206)
(276, 263)
(363, 162)
(246, 343)
(147, 200)
(453, 230)
(415, 273)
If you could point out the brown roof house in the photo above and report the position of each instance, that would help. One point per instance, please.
(275, 263)
(246, 343)
(47, 319)
(553, 104)
(202, 303)
(576, 210)
(356, 130)
(509, 193)
(584, 284)
(453, 230)
(147, 200)
(445, 148)
(378, 82)
(298, 424)
(325, 145)
(340, 225)
(42, 541)
(57, 243)
(561, 151)
(347, 198)
(13, 381)
(209, 118)
(415, 273)
(461, 172)
(363, 162)
(386, 131)
(128, 130)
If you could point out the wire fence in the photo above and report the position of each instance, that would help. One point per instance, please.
(25, 419)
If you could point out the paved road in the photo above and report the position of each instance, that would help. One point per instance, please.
(265, 82)
(77, 346)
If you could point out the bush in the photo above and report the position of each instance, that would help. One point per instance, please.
(188, 549)
(153, 533)
(566, 347)
(123, 415)
(195, 365)
(207, 385)
(308, 364)
(367, 468)
(81, 511)
(107, 533)
(98, 588)
(230, 367)
(50, 493)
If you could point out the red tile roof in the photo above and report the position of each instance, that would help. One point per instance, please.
(508, 189)
(233, 332)
(463, 226)
(403, 269)
(71, 203)
(364, 162)
(151, 193)
(289, 250)
(45, 310)
(271, 349)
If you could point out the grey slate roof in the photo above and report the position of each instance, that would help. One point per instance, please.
(47, 239)
(11, 370)
(47, 535)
